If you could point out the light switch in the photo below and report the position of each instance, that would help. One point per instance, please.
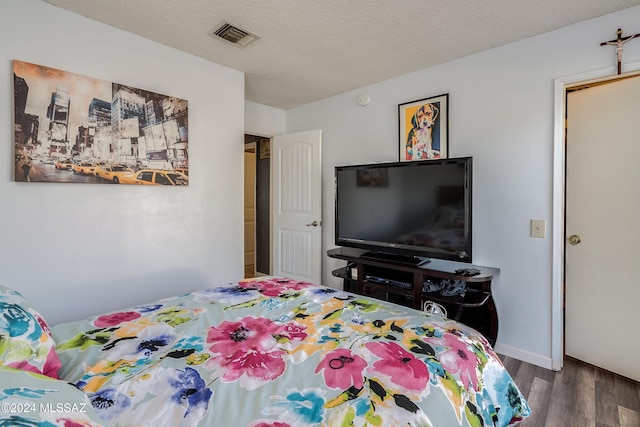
(538, 228)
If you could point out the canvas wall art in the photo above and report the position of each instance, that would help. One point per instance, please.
(424, 126)
(76, 129)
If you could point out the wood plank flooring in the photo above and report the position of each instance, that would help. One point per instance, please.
(580, 395)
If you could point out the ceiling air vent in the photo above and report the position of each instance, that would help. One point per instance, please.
(234, 34)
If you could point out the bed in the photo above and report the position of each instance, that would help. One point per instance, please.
(272, 352)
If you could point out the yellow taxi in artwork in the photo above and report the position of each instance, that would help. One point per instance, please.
(156, 177)
(182, 170)
(64, 164)
(113, 172)
(85, 168)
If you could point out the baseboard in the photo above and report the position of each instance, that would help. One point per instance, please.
(525, 356)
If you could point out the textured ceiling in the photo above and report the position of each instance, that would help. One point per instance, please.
(310, 50)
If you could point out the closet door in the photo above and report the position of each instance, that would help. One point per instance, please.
(602, 318)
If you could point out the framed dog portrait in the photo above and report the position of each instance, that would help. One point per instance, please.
(424, 129)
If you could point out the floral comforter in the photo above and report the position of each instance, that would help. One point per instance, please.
(278, 353)
(29, 399)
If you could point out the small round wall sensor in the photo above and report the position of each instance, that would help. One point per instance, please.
(363, 100)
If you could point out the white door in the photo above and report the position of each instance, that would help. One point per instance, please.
(602, 319)
(297, 205)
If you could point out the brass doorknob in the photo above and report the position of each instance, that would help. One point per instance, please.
(574, 239)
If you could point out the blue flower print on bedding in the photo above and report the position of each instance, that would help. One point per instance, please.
(190, 391)
(25, 339)
(109, 403)
(16, 420)
(17, 322)
(299, 407)
(183, 392)
(149, 342)
(33, 393)
(504, 394)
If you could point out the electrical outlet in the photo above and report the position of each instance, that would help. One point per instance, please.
(538, 228)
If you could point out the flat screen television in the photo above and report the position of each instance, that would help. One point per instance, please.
(406, 211)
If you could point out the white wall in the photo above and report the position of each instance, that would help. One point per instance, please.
(501, 113)
(263, 120)
(78, 249)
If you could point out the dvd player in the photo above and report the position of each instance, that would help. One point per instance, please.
(390, 282)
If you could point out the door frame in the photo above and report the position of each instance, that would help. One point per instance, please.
(270, 190)
(561, 85)
(248, 146)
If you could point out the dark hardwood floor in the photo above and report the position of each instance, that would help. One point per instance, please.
(580, 395)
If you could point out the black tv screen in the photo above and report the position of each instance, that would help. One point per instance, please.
(411, 209)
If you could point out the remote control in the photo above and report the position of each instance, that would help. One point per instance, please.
(468, 272)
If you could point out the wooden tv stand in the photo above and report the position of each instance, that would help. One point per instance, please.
(402, 283)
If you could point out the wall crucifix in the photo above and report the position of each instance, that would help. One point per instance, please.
(618, 42)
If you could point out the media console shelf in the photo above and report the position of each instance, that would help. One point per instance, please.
(403, 284)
